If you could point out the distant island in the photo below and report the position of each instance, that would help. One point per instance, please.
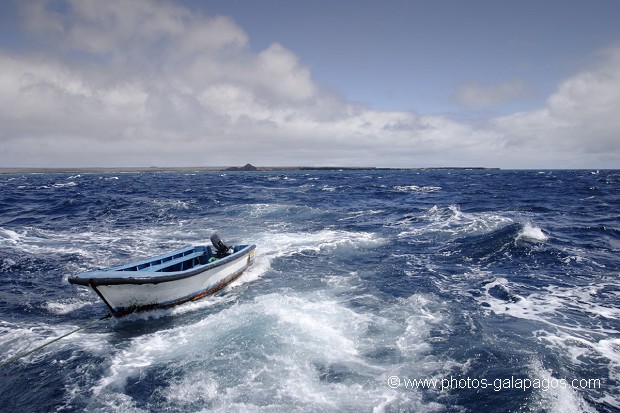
(246, 168)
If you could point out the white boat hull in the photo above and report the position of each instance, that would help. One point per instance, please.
(126, 292)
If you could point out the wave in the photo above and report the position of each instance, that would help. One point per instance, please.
(531, 232)
(450, 222)
(489, 244)
(496, 242)
(415, 188)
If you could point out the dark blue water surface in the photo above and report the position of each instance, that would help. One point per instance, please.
(500, 287)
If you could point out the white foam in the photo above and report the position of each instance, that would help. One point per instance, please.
(539, 306)
(281, 178)
(561, 399)
(64, 184)
(143, 352)
(418, 326)
(10, 236)
(173, 204)
(579, 339)
(277, 210)
(102, 248)
(200, 387)
(532, 233)
(191, 306)
(274, 351)
(452, 222)
(35, 240)
(115, 402)
(288, 243)
(610, 349)
(415, 188)
(261, 265)
(360, 214)
(65, 306)
(16, 339)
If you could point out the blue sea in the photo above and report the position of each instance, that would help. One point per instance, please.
(372, 291)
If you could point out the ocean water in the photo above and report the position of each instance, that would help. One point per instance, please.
(372, 291)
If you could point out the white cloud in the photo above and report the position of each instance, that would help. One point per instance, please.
(41, 98)
(279, 71)
(153, 83)
(579, 125)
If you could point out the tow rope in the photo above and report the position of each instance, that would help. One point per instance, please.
(29, 352)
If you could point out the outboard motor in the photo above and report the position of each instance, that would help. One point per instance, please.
(221, 249)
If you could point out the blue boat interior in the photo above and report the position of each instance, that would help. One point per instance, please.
(181, 260)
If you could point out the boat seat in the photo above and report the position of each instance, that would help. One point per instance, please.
(158, 267)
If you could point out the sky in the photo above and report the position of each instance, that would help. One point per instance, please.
(415, 83)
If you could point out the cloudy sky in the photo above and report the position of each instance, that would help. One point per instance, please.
(399, 83)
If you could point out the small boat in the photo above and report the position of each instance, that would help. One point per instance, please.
(167, 280)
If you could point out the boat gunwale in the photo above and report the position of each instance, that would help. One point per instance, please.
(106, 276)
